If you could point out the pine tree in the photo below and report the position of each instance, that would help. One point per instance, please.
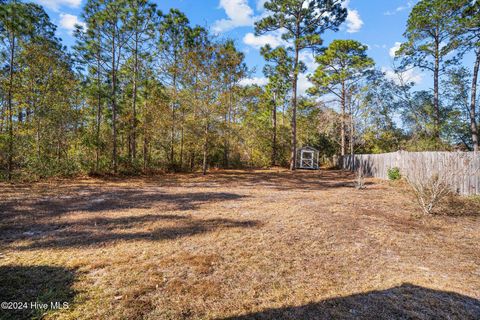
(430, 40)
(19, 23)
(341, 66)
(302, 22)
(277, 70)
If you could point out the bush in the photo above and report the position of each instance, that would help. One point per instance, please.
(430, 191)
(394, 174)
(360, 180)
(433, 185)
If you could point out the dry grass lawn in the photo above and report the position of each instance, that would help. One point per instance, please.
(235, 245)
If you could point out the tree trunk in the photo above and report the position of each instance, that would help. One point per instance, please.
(99, 118)
(352, 132)
(114, 107)
(205, 151)
(37, 139)
(134, 103)
(3, 115)
(145, 137)
(182, 142)
(293, 156)
(226, 149)
(182, 139)
(274, 138)
(343, 146)
(225, 143)
(10, 111)
(172, 133)
(436, 106)
(145, 151)
(192, 160)
(473, 115)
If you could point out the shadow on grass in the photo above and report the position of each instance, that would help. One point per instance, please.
(19, 212)
(38, 289)
(35, 221)
(316, 180)
(130, 229)
(89, 199)
(458, 206)
(403, 302)
(29, 214)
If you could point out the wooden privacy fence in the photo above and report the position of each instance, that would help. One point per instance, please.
(461, 169)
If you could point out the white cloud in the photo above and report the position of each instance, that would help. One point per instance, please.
(303, 84)
(354, 22)
(408, 5)
(274, 40)
(260, 5)
(393, 50)
(239, 14)
(309, 60)
(56, 4)
(68, 22)
(260, 81)
(410, 75)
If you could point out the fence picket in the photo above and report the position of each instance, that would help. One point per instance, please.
(377, 165)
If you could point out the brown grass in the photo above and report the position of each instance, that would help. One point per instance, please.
(236, 245)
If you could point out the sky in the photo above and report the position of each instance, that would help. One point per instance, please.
(377, 23)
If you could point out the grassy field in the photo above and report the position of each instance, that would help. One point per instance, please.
(235, 245)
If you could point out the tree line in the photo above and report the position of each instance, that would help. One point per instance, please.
(143, 91)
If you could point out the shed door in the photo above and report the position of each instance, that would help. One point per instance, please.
(306, 159)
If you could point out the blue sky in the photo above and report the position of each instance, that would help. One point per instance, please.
(377, 23)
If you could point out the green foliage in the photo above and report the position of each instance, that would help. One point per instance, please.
(394, 174)
(430, 33)
(344, 62)
(378, 140)
(301, 23)
(155, 93)
(342, 68)
(431, 43)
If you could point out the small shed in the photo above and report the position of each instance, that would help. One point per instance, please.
(307, 158)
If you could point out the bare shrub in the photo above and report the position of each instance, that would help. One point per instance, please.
(360, 178)
(430, 191)
(433, 182)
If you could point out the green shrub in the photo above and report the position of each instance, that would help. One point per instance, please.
(394, 174)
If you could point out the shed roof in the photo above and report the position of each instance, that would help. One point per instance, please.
(308, 148)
